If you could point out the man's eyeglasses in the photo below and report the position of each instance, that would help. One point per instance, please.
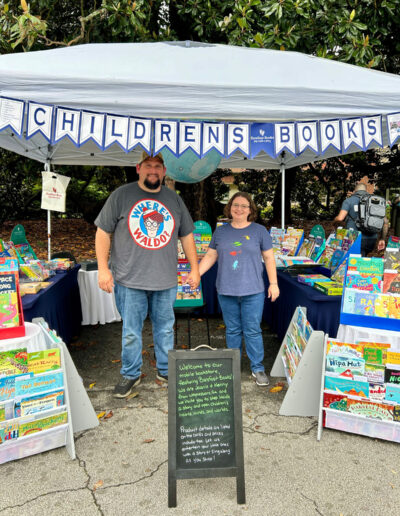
(243, 206)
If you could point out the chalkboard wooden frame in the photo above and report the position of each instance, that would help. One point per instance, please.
(174, 471)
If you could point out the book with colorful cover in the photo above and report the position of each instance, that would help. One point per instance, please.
(375, 373)
(394, 307)
(9, 307)
(310, 279)
(13, 362)
(2, 412)
(339, 273)
(334, 400)
(394, 242)
(329, 288)
(277, 235)
(39, 383)
(340, 364)
(373, 355)
(363, 281)
(45, 360)
(393, 357)
(377, 391)
(364, 303)
(391, 259)
(7, 388)
(337, 258)
(336, 347)
(326, 256)
(38, 403)
(346, 385)
(382, 303)
(392, 375)
(391, 282)
(392, 393)
(370, 409)
(8, 431)
(307, 331)
(349, 301)
(39, 425)
(365, 265)
(318, 247)
(396, 413)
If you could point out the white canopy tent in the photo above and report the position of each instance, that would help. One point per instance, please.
(188, 81)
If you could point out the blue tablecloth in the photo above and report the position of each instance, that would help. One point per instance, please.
(323, 311)
(59, 304)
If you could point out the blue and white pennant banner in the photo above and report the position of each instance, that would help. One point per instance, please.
(54, 123)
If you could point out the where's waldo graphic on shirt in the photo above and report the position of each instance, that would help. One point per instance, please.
(151, 224)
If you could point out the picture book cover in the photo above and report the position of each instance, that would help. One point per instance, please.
(326, 256)
(13, 362)
(392, 375)
(39, 383)
(391, 259)
(364, 303)
(8, 431)
(363, 281)
(377, 391)
(9, 310)
(336, 347)
(365, 265)
(393, 357)
(370, 409)
(339, 273)
(396, 413)
(318, 247)
(335, 401)
(42, 361)
(391, 282)
(39, 425)
(337, 257)
(307, 331)
(7, 388)
(310, 279)
(346, 385)
(373, 355)
(339, 364)
(382, 303)
(39, 403)
(349, 301)
(394, 307)
(301, 321)
(375, 373)
(392, 392)
(394, 242)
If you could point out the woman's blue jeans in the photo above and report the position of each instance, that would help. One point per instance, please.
(133, 306)
(242, 317)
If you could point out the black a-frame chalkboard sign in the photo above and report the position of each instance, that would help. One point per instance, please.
(205, 434)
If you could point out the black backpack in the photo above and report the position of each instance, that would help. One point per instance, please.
(371, 213)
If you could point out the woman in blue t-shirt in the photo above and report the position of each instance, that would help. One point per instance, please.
(238, 246)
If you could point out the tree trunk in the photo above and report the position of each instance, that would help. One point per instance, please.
(200, 200)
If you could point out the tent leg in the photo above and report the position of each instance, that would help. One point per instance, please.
(49, 234)
(283, 195)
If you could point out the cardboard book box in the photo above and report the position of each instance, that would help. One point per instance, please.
(330, 288)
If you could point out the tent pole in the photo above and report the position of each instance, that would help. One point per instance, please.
(283, 195)
(47, 169)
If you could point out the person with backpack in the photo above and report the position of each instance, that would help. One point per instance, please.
(366, 213)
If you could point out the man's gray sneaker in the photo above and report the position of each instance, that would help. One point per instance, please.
(261, 378)
(125, 386)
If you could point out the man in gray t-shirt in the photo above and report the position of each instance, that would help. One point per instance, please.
(145, 220)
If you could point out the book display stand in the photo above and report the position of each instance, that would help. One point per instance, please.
(299, 359)
(373, 418)
(76, 412)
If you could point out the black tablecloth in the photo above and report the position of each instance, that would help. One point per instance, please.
(59, 304)
(323, 311)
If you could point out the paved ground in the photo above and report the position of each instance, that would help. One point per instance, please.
(121, 466)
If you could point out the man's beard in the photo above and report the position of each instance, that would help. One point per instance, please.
(152, 186)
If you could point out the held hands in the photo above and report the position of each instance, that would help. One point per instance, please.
(273, 292)
(193, 279)
(105, 280)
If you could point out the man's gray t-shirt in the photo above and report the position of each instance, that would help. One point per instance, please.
(240, 268)
(351, 206)
(145, 228)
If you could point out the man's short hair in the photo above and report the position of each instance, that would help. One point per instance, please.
(360, 187)
(145, 156)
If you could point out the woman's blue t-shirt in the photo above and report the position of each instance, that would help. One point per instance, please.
(240, 268)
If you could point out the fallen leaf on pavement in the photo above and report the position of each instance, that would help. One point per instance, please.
(276, 388)
(132, 395)
(151, 345)
(161, 384)
(100, 415)
(110, 414)
(116, 361)
(184, 346)
(257, 427)
(148, 440)
(97, 485)
(145, 352)
(220, 326)
(92, 385)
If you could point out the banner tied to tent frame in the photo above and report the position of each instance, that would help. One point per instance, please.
(55, 123)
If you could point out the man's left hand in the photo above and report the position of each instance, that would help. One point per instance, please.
(193, 279)
(381, 245)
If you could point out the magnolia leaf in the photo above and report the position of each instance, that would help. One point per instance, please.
(276, 388)
(101, 414)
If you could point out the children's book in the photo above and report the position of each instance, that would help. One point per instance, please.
(392, 357)
(13, 362)
(391, 282)
(336, 347)
(339, 364)
(392, 375)
(377, 391)
(391, 259)
(339, 273)
(39, 403)
(364, 303)
(349, 301)
(8, 431)
(365, 265)
(370, 409)
(394, 307)
(392, 392)
(396, 413)
(334, 400)
(310, 279)
(382, 303)
(346, 385)
(2, 412)
(9, 309)
(363, 281)
(374, 373)
(42, 361)
(307, 331)
(38, 384)
(38, 425)
(373, 355)
(394, 242)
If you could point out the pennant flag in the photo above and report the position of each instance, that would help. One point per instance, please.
(372, 128)
(213, 137)
(329, 131)
(190, 137)
(92, 128)
(165, 136)
(285, 138)
(238, 139)
(116, 131)
(307, 136)
(67, 124)
(139, 134)
(12, 114)
(40, 120)
(352, 133)
(393, 123)
(262, 139)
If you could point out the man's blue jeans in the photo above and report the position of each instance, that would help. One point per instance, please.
(242, 317)
(133, 306)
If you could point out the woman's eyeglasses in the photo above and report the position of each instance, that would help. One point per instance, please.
(243, 206)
